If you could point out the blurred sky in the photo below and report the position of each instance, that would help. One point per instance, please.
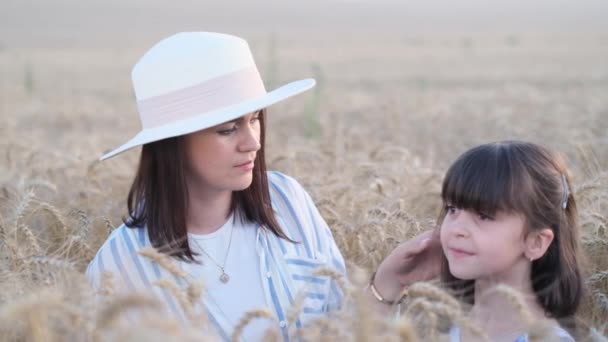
(122, 22)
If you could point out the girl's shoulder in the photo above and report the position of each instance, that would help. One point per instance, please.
(563, 335)
(560, 333)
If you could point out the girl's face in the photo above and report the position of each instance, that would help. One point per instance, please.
(221, 158)
(480, 246)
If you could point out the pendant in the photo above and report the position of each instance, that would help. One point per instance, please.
(224, 278)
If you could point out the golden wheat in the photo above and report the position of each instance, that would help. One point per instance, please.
(374, 168)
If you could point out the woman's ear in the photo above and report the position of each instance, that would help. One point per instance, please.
(537, 243)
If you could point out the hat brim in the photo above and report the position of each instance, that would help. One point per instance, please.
(213, 118)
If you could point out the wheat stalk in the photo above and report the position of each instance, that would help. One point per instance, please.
(122, 303)
(247, 318)
(163, 260)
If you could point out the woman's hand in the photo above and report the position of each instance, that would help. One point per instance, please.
(415, 260)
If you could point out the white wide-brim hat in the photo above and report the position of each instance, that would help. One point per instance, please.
(196, 80)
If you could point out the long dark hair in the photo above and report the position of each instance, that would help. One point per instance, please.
(525, 178)
(158, 198)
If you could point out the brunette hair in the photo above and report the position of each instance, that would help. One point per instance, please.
(158, 198)
(531, 180)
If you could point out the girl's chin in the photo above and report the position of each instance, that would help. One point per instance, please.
(463, 274)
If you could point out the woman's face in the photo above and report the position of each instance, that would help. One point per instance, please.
(221, 158)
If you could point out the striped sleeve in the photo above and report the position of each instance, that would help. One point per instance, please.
(113, 257)
(130, 271)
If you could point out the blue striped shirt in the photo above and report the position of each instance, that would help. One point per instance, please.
(287, 268)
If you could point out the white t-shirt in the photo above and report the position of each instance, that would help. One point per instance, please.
(242, 266)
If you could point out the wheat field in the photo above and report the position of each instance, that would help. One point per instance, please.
(393, 107)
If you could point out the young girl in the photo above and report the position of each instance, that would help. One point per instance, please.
(510, 218)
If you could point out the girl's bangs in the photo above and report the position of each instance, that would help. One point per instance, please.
(484, 180)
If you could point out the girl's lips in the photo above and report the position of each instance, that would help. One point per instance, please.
(460, 253)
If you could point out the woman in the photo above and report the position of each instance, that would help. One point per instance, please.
(202, 195)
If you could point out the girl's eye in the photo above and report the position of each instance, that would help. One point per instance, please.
(450, 209)
(255, 118)
(485, 217)
(228, 131)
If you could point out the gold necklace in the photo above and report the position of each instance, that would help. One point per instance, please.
(224, 277)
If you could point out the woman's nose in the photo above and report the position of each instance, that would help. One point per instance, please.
(250, 141)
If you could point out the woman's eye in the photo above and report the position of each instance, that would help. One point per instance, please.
(227, 131)
(255, 119)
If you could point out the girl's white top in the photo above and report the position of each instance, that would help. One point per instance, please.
(264, 269)
(560, 335)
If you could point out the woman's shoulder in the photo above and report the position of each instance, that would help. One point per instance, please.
(124, 237)
(288, 197)
(300, 218)
(116, 252)
(280, 180)
(286, 189)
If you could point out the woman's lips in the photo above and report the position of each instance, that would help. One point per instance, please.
(247, 166)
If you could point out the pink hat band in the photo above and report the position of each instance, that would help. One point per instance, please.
(223, 91)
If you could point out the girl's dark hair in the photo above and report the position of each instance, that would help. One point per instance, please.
(158, 198)
(525, 178)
